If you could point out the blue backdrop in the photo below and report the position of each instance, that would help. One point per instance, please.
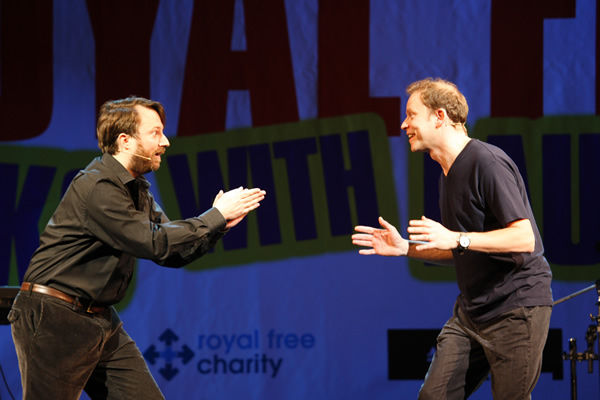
(305, 99)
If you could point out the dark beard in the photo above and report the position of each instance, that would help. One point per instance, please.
(140, 166)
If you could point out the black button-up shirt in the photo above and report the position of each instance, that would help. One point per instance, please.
(105, 221)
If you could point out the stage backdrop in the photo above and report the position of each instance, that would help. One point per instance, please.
(304, 99)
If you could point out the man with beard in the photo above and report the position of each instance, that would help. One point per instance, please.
(488, 232)
(67, 334)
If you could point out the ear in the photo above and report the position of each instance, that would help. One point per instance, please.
(440, 115)
(123, 141)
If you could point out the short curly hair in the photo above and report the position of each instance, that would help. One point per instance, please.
(120, 116)
(439, 93)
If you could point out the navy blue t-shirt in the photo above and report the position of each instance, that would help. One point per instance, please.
(484, 191)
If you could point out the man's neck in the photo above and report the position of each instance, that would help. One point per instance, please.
(125, 160)
(450, 148)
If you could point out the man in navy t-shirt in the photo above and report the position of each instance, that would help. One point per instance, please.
(488, 232)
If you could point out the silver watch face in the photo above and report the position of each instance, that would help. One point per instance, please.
(464, 241)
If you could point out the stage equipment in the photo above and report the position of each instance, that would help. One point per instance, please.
(7, 295)
(591, 336)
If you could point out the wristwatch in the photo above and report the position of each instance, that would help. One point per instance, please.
(463, 243)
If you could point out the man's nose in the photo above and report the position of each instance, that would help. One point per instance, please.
(164, 141)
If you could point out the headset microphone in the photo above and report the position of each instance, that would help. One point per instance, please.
(137, 155)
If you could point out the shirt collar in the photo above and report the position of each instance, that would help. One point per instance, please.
(121, 172)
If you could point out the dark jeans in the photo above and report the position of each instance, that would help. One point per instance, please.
(63, 350)
(509, 346)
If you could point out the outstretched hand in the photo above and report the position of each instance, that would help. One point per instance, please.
(237, 203)
(385, 242)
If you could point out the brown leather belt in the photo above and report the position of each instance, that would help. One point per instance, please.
(34, 287)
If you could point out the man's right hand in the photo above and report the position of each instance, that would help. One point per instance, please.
(237, 203)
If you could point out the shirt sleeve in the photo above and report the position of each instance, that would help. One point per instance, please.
(111, 217)
(504, 191)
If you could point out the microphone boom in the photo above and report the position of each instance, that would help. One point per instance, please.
(137, 155)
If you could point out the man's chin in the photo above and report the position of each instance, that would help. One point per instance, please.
(418, 149)
(155, 166)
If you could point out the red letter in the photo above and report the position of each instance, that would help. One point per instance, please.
(26, 56)
(517, 76)
(212, 69)
(344, 64)
(122, 31)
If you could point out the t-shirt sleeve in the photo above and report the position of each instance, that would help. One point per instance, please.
(504, 191)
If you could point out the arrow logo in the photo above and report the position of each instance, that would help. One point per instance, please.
(152, 354)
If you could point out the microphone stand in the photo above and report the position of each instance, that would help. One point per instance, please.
(592, 334)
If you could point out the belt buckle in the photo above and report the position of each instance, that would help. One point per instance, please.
(89, 308)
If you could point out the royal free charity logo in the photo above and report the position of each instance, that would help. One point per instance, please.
(236, 353)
